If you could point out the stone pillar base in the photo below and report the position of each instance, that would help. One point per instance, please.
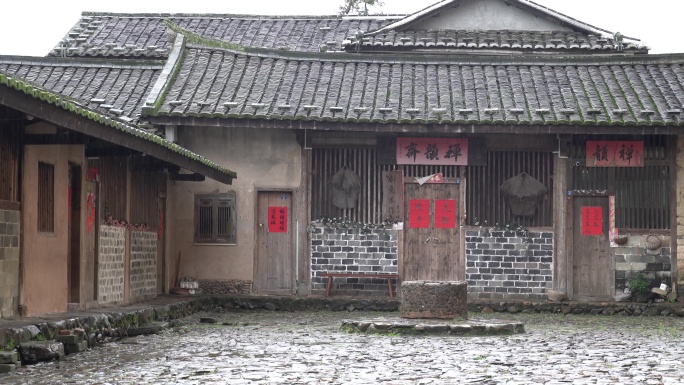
(430, 299)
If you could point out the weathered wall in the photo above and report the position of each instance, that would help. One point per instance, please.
(351, 250)
(509, 264)
(143, 269)
(45, 255)
(110, 288)
(262, 158)
(9, 262)
(633, 258)
(233, 286)
(680, 209)
(488, 15)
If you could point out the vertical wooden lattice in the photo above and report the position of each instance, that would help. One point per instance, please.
(46, 197)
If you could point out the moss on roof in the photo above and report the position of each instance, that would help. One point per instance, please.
(75, 107)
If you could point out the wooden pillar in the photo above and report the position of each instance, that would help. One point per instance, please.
(562, 225)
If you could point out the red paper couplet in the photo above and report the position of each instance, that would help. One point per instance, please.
(277, 219)
(592, 220)
(419, 213)
(445, 213)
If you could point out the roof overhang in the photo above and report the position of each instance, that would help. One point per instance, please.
(418, 127)
(58, 116)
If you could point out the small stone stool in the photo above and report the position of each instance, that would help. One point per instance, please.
(433, 299)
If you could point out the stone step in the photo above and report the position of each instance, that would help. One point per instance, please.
(37, 351)
(9, 357)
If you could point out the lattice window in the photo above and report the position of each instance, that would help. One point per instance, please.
(46, 197)
(485, 204)
(215, 218)
(642, 194)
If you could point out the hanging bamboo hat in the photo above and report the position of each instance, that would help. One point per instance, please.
(523, 193)
(346, 187)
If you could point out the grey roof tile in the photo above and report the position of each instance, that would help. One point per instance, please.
(100, 85)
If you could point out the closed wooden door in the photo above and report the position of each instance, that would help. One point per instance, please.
(593, 267)
(274, 272)
(431, 233)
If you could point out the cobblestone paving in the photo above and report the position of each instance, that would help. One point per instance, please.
(307, 348)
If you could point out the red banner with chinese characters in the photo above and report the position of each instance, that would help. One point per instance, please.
(615, 153)
(419, 213)
(277, 219)
(592, 220)
(445, 213)
(437, 151)
(90, 213)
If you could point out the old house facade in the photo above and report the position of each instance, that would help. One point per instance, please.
(497, 142)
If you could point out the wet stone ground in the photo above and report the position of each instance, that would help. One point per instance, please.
(308, 348)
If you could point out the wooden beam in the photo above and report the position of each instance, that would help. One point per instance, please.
(415, 128)
(187, 177)
(58, 116)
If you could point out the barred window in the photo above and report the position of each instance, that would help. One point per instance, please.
(215, 218)
(46, 198)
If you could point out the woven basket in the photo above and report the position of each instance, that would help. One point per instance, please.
(621, 239)
(652, 242)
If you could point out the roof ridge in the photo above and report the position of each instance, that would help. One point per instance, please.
(56, 61)
(200, 42)
(236, 15)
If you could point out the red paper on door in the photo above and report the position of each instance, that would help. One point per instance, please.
(419, 213)
(277, 219)
(445, 213)
(592, 220)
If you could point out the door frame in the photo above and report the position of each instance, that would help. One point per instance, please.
(570, 242)
(295, 218)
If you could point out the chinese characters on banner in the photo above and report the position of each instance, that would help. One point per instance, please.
(419, 213)
(392, 195)
(277, 219)
(592, 220)
(445, 213)
(612, 231)
(437, 151)
(614, 153)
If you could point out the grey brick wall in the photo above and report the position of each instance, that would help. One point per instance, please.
(9, 262)
(143, 270)
(634, 258)
(353, 251)
(111, 265)
(509, 264)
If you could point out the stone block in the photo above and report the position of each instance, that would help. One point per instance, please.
(76, 348)
(430, 299)
(69, 339)
(6, 368)
(36, 351)
(9, 357)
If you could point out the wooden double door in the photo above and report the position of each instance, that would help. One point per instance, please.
(432, 244)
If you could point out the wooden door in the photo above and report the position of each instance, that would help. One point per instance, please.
(432, 244)
(593, 267)
(274, 272)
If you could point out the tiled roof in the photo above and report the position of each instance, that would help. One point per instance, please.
(117, 90)
(144, 35)
(493, 40)
(65, 103)
(631, 90)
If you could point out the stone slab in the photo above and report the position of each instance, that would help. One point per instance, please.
(6, 368)
(150, 328)
(402, 326)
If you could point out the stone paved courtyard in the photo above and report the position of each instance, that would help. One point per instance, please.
(263, 347)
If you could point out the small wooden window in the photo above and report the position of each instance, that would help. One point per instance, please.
(46, 197)
(215, 218)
